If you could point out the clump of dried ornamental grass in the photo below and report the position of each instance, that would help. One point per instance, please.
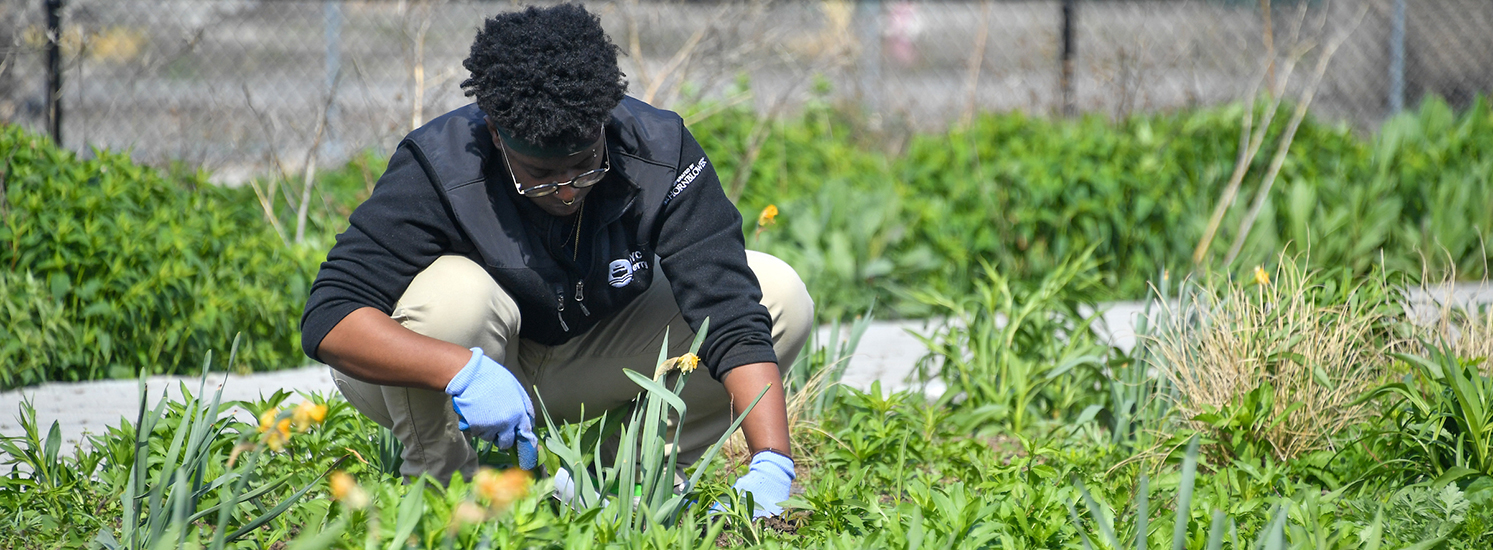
(1311, 341)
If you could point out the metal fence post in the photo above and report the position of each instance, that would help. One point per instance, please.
(332, 13)
(869, 16)
(54, 70)
(1065, 82)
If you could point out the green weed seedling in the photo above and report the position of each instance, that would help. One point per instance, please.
(1003, 347)
(1445, 412)
(163, 512)
(646, 462)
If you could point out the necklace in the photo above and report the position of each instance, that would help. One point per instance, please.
(576, 249)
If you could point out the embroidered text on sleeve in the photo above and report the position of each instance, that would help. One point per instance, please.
(685, 178)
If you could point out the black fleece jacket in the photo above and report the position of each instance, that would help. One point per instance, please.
(446, 191)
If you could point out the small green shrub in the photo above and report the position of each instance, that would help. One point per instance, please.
(1007, 347)
(141, 272)
(1024, 193)
(38, 339)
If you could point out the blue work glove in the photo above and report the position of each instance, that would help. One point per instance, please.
(490, 402)
(768, 480)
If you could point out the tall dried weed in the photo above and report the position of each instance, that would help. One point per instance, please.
(1319, 354)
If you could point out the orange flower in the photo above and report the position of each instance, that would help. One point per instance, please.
(501, 490)
(345, 489)
(1261, 276)
(276, 430)
(768, 216)
(308, 414)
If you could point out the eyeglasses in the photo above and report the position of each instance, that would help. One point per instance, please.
(586, 179)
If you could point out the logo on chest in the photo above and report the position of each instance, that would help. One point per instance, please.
(620, 271)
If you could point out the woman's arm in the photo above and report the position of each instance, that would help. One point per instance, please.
(766, 426)
(371, 347)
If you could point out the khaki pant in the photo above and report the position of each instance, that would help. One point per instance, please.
(456, 301)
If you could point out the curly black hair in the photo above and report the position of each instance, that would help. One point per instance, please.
(547, 75)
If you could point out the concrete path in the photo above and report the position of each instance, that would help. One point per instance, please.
(888, 353)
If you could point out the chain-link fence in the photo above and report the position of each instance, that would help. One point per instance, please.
(238, 86)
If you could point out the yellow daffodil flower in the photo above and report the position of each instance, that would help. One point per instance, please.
(768, 216)
(308, 414)
(684, 363)
(276, 430)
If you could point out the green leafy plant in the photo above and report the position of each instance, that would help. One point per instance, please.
(162, 512)
(1140, 395)
(1443, 412)
(1314, 519)
(53, 490)
(1026, 192)
(1420, 516)
(140, 271)
(646, 460)
(1004, 346)
(39, 338)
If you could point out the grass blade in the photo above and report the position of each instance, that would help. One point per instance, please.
(1184, 494)
(1215, 533)
(251, 495)
(1097, 512)
(1142, 513)
(1078, 526)
(410, 510)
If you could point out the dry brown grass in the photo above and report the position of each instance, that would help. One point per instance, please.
(735, 451)
(1225, 343)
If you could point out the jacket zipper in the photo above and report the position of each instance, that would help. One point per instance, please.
(560, 306)
(580, 285)
(580, 297)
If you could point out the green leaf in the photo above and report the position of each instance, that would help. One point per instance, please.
(52, 447)
(655, 389)
(411, 509)
(1142, 512)
(1454, 473)
(1215, 532)
(1184, 494)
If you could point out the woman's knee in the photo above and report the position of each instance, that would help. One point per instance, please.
(787, 300)
(456, 300)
